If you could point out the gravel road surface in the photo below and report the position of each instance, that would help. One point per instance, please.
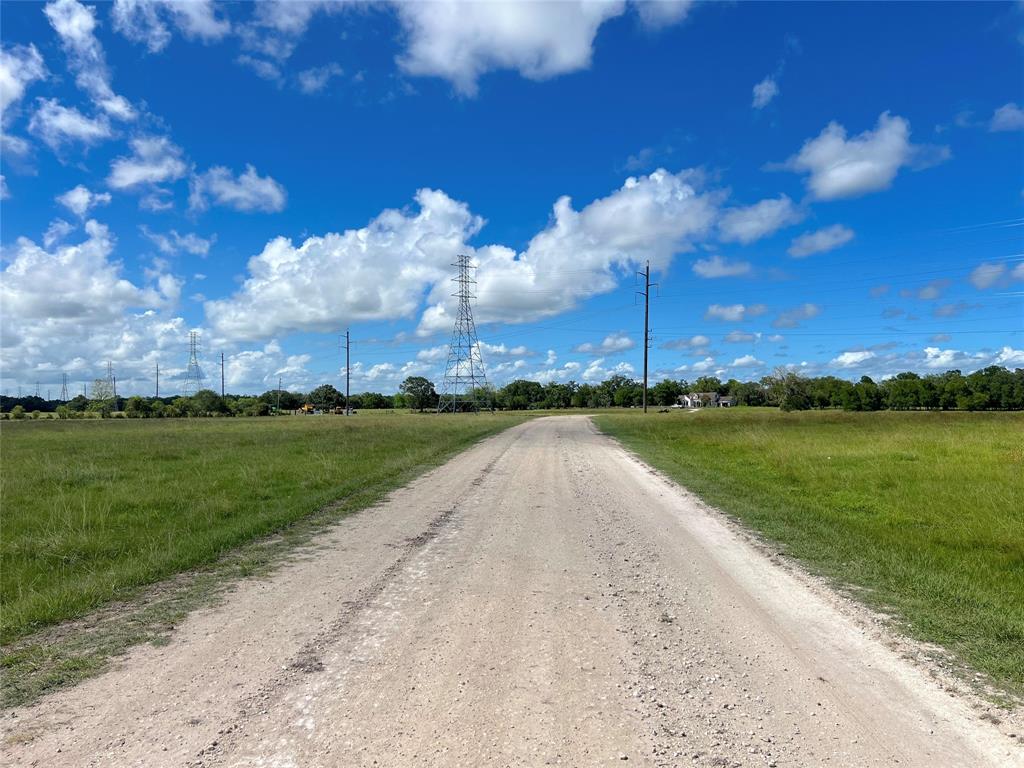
(542, 599)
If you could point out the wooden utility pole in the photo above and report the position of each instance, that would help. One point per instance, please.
(348, 409)
(222, 374)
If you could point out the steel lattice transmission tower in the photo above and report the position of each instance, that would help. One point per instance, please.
(465, 380)
(194, 374)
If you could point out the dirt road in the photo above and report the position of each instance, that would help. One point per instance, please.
(542, 599)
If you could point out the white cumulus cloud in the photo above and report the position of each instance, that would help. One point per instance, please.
(78, 282)
(57, 231)
(383, 270)
(57, 125)
(80, 200)
(791, 318)
(20, 66)
(764, 92)
(597, 371)
(154, 159)
(716, 266)
(649, 218)
(173, 242)
(852, 358)
(246, 192)
(75, 24)
(374, 273)
(734, 312)
(147, 21)
(1008, 117)
(747, 361)
(698, 342)
(986, 275)
(820, 241)
(460, 41)
(615, 342)
(753, 222)
(315, 79)
(839, 167)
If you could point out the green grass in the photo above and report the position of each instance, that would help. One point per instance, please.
(921, 513)
(94, 510)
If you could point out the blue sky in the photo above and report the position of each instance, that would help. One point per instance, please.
(833, 187)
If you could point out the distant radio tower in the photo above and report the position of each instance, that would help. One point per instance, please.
(465, 379)
(194, 374)
(64, 387)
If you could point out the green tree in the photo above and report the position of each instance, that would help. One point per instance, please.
(78, 403)
(377, 401)
(206, 402)
(136, 408)
(708, 384)
(665, 392)
(18, 412)
(419, 393)
(748, 393)
(902, 392)
(102, 407)
(521, 394)
(326, 396)
(790, 390)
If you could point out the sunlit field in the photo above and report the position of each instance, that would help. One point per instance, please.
(922, 514)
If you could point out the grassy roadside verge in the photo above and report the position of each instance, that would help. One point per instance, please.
(114, 531)
(920, 515)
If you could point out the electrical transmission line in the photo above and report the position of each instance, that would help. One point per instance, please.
(465, 380)
(193, 374)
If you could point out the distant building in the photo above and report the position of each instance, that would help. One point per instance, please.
(706, 400)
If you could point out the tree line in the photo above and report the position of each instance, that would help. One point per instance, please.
(992, 388)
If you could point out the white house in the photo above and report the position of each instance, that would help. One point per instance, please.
(705, 400)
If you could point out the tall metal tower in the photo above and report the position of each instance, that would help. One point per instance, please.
(194, 374)
(465, 380)
(64, 387)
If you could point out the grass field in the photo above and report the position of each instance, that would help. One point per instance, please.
(92, 510)
(921, 513)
